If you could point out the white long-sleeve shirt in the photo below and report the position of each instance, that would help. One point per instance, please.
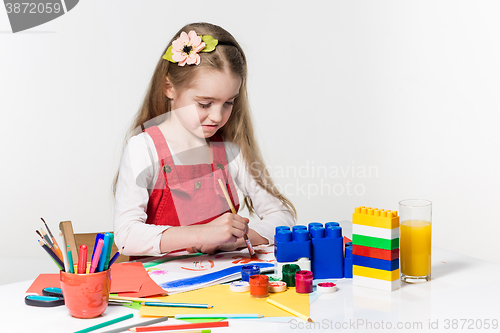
(139, 171)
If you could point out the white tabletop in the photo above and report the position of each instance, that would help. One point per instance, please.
(463, 293)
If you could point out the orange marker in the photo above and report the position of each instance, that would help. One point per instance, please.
(82, 259)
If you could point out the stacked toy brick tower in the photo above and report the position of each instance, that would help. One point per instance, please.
(375, 248)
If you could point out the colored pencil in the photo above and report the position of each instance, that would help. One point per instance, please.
(52, 255)
(107, 323)
(179, 305)
(56, 246)
(64, 253)
(211, 316)
(117, 254)
(144, 323)
(135, 299)
(97, 254)
(287, 309)
(70, 261)
(245, 237)
(179, 327)
(82, 259)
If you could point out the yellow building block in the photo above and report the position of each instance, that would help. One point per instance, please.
(375, 273)
(374, 217)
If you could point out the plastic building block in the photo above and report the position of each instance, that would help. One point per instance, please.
(376, 283)
(327, 252)
(365, 230)
(379, 243)
(348, 260)
(373, 252)
(292, 245)
(375, 273)
(374, 217)
(386, 265)
(332, 224)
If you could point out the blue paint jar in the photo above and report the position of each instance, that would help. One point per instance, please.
(249, 270)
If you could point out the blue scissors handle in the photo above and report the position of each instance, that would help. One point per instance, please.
(51, 297)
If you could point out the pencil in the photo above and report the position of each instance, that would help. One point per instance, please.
(144, 323)
(106, 323)
(287, 309)
(70, 261)
(117, 254)
(211, 316)
(64, 253)
(179, 327)
(135, 299)
(52, 255)
(56, 246)
(179, 305)
(245, 237)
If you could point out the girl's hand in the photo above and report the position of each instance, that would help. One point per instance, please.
(227, 228)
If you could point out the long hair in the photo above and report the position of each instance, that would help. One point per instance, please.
(228, 55)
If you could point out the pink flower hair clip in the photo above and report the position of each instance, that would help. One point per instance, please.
(185, 49)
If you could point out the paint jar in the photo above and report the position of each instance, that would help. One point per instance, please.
(289, 271)
(304, 282)
(259, 286)
(86, 295)
(249, 270)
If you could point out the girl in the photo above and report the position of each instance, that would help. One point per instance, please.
(196, 130)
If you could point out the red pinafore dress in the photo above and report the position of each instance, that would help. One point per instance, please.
(189, 194)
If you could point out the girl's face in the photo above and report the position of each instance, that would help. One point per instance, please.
(207, 104)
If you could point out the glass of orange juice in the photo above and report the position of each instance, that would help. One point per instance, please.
(415, 240)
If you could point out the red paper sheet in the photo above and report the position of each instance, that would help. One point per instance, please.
(44, 281)
(149, 288)
(127, 277)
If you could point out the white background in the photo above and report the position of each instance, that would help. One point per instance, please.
(407, 91)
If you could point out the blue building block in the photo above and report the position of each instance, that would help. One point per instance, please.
(348, 260)
(292, 245)
(327, 252)
(386, 265)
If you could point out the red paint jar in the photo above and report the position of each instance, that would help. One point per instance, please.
(86, 295)
(304, 282)
(259, 286)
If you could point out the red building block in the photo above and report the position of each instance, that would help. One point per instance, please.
(375, 253)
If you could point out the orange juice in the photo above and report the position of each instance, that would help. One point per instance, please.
(415, 247)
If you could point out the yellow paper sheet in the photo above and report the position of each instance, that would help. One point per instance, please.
(225, 301)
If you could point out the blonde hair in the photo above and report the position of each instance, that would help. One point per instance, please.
(229, 56)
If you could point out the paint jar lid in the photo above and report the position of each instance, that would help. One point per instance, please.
(239, 286)
(326, 287)
(277, 286)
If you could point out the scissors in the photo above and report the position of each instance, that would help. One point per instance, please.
(54, 297)
(51, 297)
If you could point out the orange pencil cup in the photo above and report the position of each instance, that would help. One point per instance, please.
(86, 295)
